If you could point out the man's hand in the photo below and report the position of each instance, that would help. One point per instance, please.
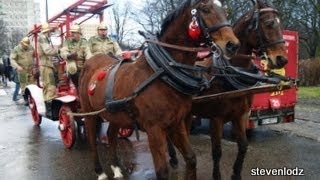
(72, 56)
(19, 69)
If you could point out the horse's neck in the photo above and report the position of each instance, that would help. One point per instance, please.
(181, 56)
(178, 36)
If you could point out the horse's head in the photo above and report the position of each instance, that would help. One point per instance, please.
(260, 29)
(199, 22)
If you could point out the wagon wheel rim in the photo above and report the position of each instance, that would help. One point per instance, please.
(34, 111)
(125, 132)
(68, 133)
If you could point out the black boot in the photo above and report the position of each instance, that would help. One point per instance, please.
(75, 79)
(26, 102)
(48, 109)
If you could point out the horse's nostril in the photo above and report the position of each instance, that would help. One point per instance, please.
(281, 61)
(231, 47)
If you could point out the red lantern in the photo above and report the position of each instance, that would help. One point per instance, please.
(194, 30)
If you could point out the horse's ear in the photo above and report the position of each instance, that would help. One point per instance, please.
(258, 4)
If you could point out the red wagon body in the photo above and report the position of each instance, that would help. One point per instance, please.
(278, 106)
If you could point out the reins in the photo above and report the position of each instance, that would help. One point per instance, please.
(182, 48)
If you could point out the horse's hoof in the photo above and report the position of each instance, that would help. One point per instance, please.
(130, 168)
(117, 172)
(235, 177)
(216, 176)
(102, 176)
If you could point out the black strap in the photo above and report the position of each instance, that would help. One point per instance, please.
(110, 81)
(217, 26)
(185, 79)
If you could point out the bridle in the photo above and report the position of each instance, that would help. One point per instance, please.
(199, 22)
(263, 43)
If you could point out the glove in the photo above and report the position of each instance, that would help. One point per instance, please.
(72, 56)
(36, 73)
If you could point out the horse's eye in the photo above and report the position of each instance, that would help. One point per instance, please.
(205, 10)
(269, 23)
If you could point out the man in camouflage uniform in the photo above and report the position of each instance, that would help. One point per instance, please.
(76, 52)
(102, 44)
(21, 58)
(47, 52)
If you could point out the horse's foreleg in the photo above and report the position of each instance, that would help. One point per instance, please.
(90, 124)
(172, 154)
(216, 131)
(158, 147)
(179, 137)
(113, 140)
(239, 128)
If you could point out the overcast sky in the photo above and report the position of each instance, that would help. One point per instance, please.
(57, 6)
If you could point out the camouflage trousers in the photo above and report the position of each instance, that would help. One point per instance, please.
(25, 79)
(48, 82)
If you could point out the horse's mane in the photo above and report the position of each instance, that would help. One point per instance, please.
(172, 15)
(267, 4)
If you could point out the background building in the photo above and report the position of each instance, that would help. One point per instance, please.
(89, 29)
(19, 15)
(17, 18)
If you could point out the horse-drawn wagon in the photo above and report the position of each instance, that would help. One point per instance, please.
(67, 100)
(156, 91)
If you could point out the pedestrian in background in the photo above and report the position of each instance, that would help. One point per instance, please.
(21, 59)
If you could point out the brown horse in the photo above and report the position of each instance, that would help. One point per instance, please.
(155, 91)
(258, 29)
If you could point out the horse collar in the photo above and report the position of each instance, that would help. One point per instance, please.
(182, 77)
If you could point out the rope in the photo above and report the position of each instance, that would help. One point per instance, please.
(86, 114)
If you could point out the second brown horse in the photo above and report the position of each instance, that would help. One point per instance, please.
(259, 30)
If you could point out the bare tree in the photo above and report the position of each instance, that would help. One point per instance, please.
(4, 49)
(153, 12)
(298, 15)
(16, 36)
(122, 26)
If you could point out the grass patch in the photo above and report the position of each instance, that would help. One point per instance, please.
(309, 92)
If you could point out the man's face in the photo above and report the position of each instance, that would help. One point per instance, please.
(75, 36)
(24, 46)
(102, 33)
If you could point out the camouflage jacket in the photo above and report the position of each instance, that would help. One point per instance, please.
(46, 51)
(98, 45)
(80, 47)
(21, 57)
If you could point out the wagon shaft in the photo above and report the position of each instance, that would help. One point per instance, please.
(242, 92)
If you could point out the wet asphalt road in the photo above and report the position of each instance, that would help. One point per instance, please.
(31, 152)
